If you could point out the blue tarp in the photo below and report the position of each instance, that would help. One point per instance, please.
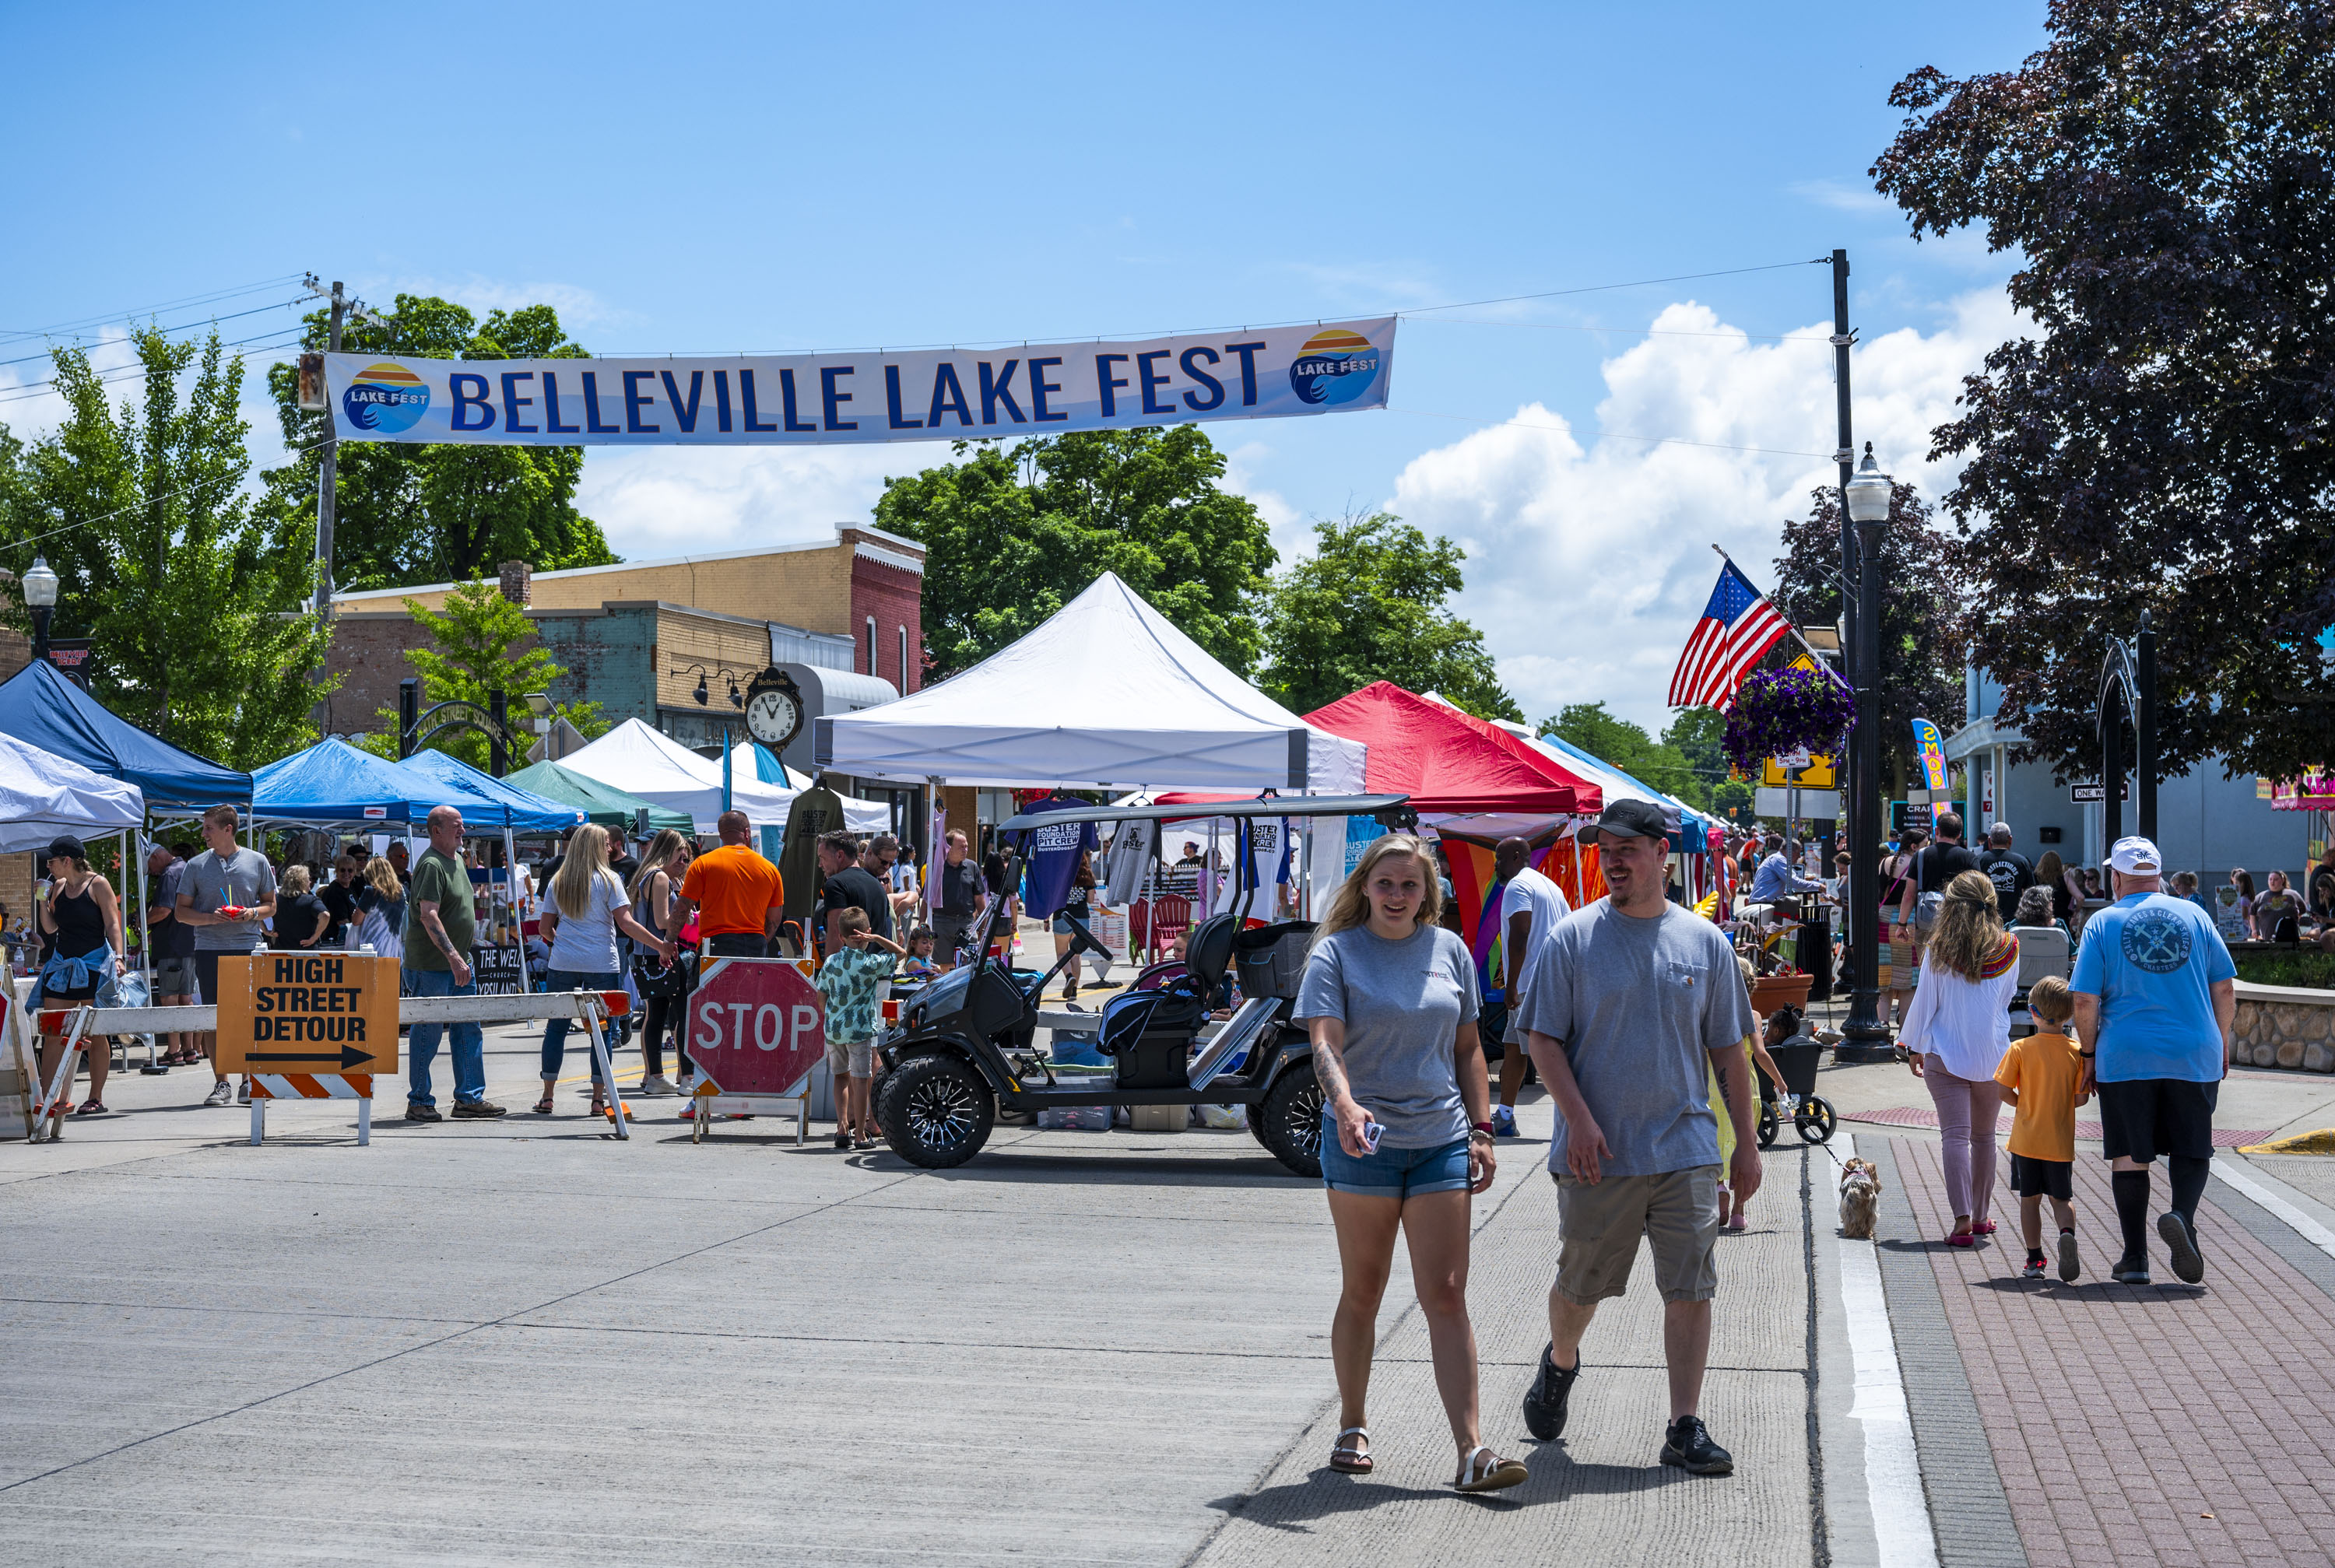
(40, 705)
(498, 803)
(1694, 833)
(333, 782)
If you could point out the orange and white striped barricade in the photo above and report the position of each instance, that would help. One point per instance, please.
(77, 1023)
(355, 1086)
(590, 1010)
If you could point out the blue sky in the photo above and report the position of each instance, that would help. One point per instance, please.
(780, 177)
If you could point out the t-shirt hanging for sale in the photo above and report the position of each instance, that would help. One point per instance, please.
(1052, 850)
(1264, 852)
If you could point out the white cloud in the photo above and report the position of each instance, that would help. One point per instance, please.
(656, 501)
(1588, 553)
(578, 308)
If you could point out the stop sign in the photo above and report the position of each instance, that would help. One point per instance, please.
(756, 1026)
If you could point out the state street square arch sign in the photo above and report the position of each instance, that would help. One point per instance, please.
(789, 400)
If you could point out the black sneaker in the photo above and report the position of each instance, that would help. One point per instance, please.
(2188, 1263)
(1687, 1444)
(2130, 1272)
(415, 1111)
(1545, 1400)
(476, 1110)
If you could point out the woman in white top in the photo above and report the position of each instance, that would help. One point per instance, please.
(1958, 1029)
(586, 910)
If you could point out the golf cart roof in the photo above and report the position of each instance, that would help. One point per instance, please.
(1196, 810)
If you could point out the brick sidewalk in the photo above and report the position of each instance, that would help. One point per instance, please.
(2172, 1424)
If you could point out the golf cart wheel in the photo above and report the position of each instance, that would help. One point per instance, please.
(1816, 1121)
(935, 1112)
(1289, 1122)
(1768, 1126)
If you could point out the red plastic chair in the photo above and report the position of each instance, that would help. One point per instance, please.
(1170, 918)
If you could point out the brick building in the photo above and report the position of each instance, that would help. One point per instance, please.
(637, 637)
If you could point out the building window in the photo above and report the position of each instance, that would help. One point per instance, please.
(871, 644)
(904, 660)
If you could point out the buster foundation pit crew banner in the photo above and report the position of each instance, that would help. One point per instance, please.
(1032, 388)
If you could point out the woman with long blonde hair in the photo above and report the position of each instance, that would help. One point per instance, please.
(1955, 1035)
(1390, 1001)
(381, 909)
(586, 910)
(655, 885)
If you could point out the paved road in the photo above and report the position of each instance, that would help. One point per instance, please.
(523, 1343)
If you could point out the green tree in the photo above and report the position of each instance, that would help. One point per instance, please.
(1012, 537)
(475, 634)
(187, 592)
(440, 513)
(1694, 735)
(1614, 739)
(1369, 604)
(2155, 437)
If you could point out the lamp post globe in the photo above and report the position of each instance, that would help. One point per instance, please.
(40, 587)
(1866, 496)
(1869, 492)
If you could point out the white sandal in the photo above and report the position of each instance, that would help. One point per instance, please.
(1350, 1458)
(1485, 1471)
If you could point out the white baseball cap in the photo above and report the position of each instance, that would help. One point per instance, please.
(2135, 857)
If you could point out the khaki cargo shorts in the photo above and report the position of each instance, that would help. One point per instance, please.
(851, 1057)
(1598, 1229)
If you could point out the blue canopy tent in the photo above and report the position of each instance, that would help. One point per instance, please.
(40, 705)
(498, 803)
(333, 782)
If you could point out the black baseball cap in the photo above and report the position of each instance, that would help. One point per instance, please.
(1633, 819)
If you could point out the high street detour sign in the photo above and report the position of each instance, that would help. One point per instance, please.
(306, 1014)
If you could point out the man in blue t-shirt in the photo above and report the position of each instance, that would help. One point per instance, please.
(2157, 999)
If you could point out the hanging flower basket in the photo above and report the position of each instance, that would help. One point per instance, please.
(1779, 711)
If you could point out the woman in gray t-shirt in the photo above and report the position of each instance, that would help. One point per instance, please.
(1390, 1001)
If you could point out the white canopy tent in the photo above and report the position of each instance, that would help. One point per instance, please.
(637, 760)
(859, 815)
(1107, 694)
(43, 795)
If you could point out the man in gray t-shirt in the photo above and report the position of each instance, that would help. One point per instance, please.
(226, 876)
(1627, 1005)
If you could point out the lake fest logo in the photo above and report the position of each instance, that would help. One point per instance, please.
(386, 398)
(1334, 367)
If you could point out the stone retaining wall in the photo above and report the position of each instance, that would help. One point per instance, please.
(2285, 1026)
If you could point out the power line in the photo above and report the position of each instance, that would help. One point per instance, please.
(182, 327)
(1608, 288)
(213, 297)
(131, 371)
(1637, 332)
(1609, 435)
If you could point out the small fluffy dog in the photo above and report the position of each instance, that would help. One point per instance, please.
(1860, 1196)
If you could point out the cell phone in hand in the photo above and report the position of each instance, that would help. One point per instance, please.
(1371, 1132)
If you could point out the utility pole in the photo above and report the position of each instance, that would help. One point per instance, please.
(328, 475)
(1866, 1031)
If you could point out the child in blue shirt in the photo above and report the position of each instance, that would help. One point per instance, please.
(853, 982)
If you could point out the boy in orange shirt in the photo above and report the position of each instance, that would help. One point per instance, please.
(2038, 1076)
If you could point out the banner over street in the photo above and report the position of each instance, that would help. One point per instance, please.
(807, 399)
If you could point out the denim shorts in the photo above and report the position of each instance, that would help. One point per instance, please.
(1391, 1172)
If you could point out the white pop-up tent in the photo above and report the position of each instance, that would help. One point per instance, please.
(43, 795)
(1105, 695)
(660, 770)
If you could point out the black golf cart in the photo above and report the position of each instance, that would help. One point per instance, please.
(963, 1050)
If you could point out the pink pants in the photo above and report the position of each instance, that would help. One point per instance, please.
(1967, 1109)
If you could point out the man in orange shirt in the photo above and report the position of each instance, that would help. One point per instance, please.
(738, 897)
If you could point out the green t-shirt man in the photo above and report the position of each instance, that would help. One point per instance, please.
(438, 875)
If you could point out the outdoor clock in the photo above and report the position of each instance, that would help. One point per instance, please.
(774, 709)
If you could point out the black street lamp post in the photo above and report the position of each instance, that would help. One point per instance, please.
(1867, 499)
(41, 598)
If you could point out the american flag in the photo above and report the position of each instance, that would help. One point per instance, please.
(1737, 627)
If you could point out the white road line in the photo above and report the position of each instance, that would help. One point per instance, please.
(2310, 1229)
(1893, 1471)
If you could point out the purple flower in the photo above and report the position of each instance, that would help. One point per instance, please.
(1778, 711)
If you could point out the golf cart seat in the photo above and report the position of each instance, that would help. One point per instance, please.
(1266, 961)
